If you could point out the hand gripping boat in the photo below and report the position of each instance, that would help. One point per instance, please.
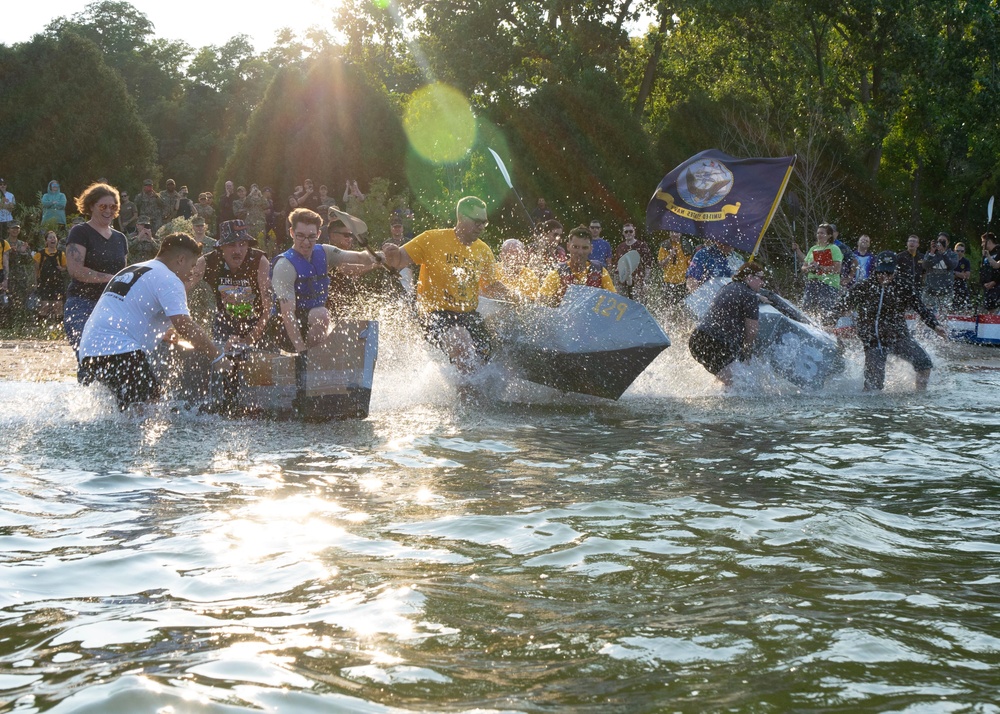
(595, 342)
(796, 348)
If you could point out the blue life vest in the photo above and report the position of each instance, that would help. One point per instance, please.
(312, 284)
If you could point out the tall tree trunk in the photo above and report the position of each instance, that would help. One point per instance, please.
(649, 76)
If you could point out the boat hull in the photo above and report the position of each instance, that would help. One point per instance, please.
(595, 342)
(795, 347)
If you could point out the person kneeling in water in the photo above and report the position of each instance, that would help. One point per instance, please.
(729, 328)
(137, 308)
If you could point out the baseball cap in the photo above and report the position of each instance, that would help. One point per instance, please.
(233, 232)
(885, 262)
(472, 207)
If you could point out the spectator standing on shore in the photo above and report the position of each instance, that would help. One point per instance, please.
(54, 205)
(911, 266)
(95, 252)
(50, 276)
(865, 258)
(128, 216)
(6, 206)
(149, 204)
(601, 250)
(225, 212)
(939, 274)
(989, 272)
(961, 297)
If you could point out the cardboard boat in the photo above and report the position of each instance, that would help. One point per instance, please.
(595, 342)
(330, 381)
(796, 348)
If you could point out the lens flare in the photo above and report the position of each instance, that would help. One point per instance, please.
(440, 124)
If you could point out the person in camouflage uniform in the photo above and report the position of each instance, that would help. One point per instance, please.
(201, 235)
(149, 204)
(22, 267)
(171, 201)
(204, 209)
(255, 205)
(128, 215)
(142, 246)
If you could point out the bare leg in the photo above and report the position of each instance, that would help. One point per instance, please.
(725, 375)
(461, 350)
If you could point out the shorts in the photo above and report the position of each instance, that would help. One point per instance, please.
(75, 316)
(437, 323)
(714, 355)
(905, 348)
(128, 375)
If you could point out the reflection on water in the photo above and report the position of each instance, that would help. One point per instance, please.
(679, 550)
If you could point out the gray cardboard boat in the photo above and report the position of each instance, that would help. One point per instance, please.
(595, 342)
(796, 347)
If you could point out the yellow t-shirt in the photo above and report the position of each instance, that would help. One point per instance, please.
(674, 273)
(552, 286)
(524, 284)
(451, 274)
(4, 249)
(62, 258)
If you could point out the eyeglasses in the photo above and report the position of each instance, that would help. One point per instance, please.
(307, 236)
(628, 231)
(106, 207)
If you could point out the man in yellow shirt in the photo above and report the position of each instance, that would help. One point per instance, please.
(580, 270)
(454, 267)
(674, 262)
(515, 274)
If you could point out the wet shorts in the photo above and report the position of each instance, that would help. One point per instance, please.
(906, 348)
(437, 323)
(128, 375)
(712, 354)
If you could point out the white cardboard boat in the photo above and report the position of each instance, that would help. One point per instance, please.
(798, 349)
(595, 342)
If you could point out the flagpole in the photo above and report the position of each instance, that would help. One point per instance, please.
(774, 206)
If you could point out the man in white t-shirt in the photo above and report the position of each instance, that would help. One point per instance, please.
(135, 311)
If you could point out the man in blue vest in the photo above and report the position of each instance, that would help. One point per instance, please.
(301, 281)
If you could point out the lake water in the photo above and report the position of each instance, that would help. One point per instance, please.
(679, 550)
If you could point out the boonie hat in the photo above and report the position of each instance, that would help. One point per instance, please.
(233, 232)
(885, 262)
(147, 182)
(355, 225)
(472, 207)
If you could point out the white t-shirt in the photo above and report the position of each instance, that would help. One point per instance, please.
(134, 311)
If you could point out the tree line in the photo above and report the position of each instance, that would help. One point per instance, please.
(890, 106)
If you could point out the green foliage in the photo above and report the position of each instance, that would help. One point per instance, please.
(320, 121)
(44, 136)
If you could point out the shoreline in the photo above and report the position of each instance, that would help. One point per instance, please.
(30, 360)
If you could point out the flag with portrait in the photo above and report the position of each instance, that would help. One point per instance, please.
(718, 197)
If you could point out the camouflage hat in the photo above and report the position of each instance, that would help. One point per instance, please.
(147, 182)
(233, 232)
(171, 182)
(14, 224)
